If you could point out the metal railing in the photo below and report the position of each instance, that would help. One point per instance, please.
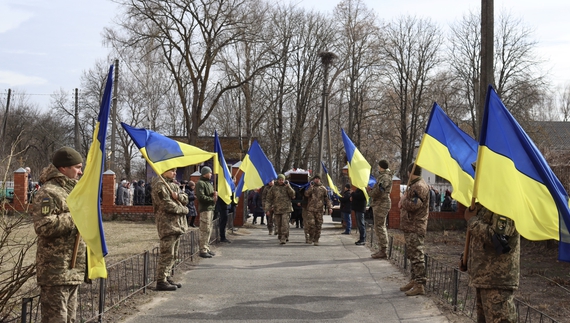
(124, 279)
(451, 285)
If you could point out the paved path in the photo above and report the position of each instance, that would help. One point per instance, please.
(255, 279)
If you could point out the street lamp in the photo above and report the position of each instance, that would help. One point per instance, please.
(326, 59)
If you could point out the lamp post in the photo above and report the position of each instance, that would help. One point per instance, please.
(326, 59)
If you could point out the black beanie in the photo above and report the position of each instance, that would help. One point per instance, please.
(66, 156)
(384, 164)
(417, 170)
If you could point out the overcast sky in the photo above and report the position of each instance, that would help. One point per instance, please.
(46, 45)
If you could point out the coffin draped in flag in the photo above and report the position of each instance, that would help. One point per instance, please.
(513, 179)
(330, 181)
(448, 152)
(225, 184)
(163, 153)
(257, 170)
(84, 200)
(358, 167)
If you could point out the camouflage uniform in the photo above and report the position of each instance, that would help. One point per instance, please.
(381, 205)
(56, 239)
(171, 223)
(279, 202)
(266, 208)
(318, 202)
(494, 275)
(206, 206)
(413, 221)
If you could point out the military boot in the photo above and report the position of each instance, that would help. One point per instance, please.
(270, 232)
(380, 254)
(408, 286)
(418, 289)
(173, 283)
(165, 286)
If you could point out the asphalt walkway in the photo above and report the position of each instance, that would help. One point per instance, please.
(256, 279)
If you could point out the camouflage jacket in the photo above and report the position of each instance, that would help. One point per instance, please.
(318, 198)
(487, 268)
(170, 215)
(380, 193)
(415, 207)
(205, 195)
(56, 232)
(279, 199)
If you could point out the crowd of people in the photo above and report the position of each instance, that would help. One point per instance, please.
(493, 242)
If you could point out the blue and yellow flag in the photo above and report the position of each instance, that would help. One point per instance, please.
(84, 200)
(358, 167)
(448, 151)
(330, 181)
(257, 170)
(225, 184)
(513, 179)
(163, 153)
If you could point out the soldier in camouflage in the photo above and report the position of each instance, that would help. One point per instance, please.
(318, 203)
(170, 211)
(381, 204)
(207, 198)
(493, 264)
(265, 207)
(56, 231)
(279, 203)
(414, 212)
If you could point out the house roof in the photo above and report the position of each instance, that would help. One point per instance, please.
(550, 134)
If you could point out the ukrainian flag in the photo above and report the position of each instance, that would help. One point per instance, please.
(257, 170)
(225, 184)
(163, 153)
(448, 152)
(84, 200)
(358, 167)
(329, 180)
(513, 179)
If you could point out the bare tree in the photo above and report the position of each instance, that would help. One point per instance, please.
(412, 55)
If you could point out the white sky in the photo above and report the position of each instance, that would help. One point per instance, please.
(46, 45)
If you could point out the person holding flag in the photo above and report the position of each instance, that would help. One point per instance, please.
(170, 215)
(57, 234)
(381, 205)
(414, 212)
(207, 198)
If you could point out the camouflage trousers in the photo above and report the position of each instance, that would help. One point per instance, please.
(496, 306)
(59, 303)
(315, 224)
(168, 253)
(206, 218)
(270, 222)
(305, 216)
(415, 253)
(282, 226)
(380, 214)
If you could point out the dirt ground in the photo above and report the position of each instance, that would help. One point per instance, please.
(544, 281)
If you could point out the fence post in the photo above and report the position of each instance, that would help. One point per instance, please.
(455, 288)
(390, 245)
(102, 283)
(25, 302)
(145, 270)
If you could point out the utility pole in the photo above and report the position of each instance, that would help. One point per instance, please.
(5, 121)
(114, 117)
(76, 129)
(487, 50)
(326, 59)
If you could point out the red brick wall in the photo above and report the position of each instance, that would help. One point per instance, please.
(20, 202)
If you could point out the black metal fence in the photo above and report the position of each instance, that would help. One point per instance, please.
(124, 279)
(451, 285)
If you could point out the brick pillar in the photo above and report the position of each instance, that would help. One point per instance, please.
(394, 214)
(20, 202)
(108, 189)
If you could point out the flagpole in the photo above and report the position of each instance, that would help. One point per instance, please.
(75, 250)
